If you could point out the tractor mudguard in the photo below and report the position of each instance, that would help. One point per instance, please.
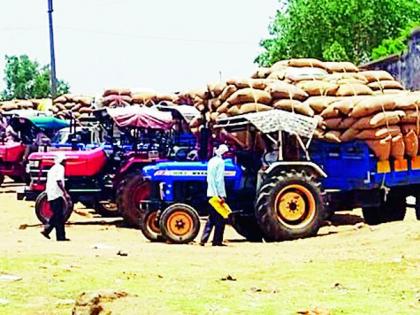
(310, 167)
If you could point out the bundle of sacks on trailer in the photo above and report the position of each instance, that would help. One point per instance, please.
(349, 104)
(118, 97)
(69, 106)
(32, 104)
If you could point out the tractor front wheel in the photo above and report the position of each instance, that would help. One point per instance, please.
(150, 228)
(179, 223)
(289, 206)
(44, 212)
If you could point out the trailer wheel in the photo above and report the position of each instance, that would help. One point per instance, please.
(247, 227)
(1, 179)
(289, 206)
(44, 212)
(372, 215)
(418, 212)
(150, 228)
(179, 223)
(395, 207)
(130, 192)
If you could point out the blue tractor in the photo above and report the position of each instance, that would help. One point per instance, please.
(285, 198)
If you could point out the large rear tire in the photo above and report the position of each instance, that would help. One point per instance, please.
(247, 227)
(372, 215)
(393, 209)
(179, 223)
(289, 206)
(130, 192)
(44, 212)
(150, 227)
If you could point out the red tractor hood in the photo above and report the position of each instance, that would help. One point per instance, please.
(11, 151)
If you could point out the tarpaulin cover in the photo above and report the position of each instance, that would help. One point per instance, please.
(49, 122)
(141, 117)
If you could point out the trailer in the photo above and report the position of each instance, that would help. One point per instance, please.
(292, 195)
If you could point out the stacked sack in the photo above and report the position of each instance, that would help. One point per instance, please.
(69, 106)
(115, 98)
(150, 98)
(19, 105)
(349, 104)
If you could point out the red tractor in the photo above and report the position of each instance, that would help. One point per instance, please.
(15, 150)
(137, 136)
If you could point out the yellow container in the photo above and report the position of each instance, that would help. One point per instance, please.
(220, 206)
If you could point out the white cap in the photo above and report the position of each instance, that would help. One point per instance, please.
(59, 157)
(222, 149)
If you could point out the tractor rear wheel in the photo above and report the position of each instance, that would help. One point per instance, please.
(179, 223)
(150, 228)
(247, 227)
(44, 212)
(289, 206)
(131, 191)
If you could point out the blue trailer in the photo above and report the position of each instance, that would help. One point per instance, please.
(292, 195)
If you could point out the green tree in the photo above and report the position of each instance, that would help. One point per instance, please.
(27, 79)
(391, 46)
(335, 29)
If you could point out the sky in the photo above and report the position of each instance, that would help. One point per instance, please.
(164, 45)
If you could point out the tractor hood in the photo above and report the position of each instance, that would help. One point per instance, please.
(188, 171)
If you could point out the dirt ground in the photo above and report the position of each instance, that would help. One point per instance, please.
(349, 268)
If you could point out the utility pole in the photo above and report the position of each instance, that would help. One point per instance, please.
(52, 53)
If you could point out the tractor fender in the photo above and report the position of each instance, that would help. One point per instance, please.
(278, 167)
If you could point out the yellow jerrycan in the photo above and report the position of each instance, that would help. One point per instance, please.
(220, 206)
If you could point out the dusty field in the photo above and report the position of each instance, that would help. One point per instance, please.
(350, 268)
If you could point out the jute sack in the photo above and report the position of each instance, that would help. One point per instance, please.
(411, 142)
(376, 75)
(386, 84)
(344, 66)
(85, 100)
(347, 123)
(61, 99)
(379, 119)
(216, 88)
(346, 76)
(116, 91)
(381, 148)
(279, 65)
(346, 104)
(406, 128)
(407, 101)
(261, 73)
(304, 74)
(349, 135)
(223, 108)
(306, 62)
(227, 92)
(333, 136)
(374, 104)
(285, 90)
(390, 91)
(214, 103)
(249, 95)
(259, 84)
(411, 116)
(319, 103)
(330, 112)
(277, 75)
(353, 90)
(378, 133)
(318, 88)
(247, 108)
(333, 123)
(397, 147)
(294, 106)
(143, 97)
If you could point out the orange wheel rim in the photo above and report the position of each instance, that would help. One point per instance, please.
(152, 224)
(180, 223)
(295, 206)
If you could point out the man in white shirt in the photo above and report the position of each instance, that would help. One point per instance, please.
(56, 195)
(215, 187)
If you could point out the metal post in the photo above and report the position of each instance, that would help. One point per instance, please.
(52, 53)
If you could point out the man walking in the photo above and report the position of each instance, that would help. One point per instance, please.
(215, 188)
(56, 195)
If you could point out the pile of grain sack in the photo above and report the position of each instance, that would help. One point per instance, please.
(118, 97)
(70, 106)
(33, 104)
(349, 104)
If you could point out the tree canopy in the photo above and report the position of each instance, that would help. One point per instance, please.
(335, 30)
(26, 79)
